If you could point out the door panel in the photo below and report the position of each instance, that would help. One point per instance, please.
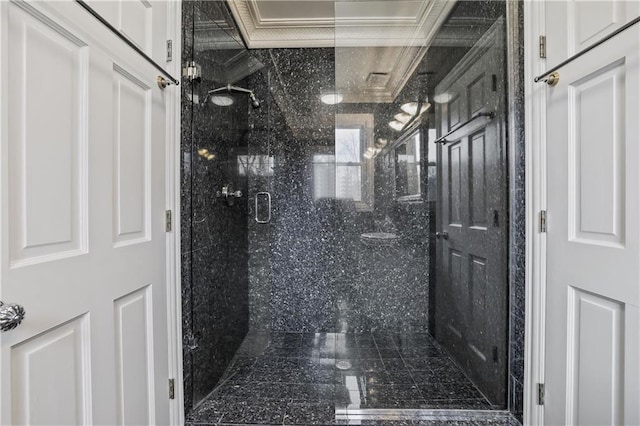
(47, 161)
(132, 114)
(134, 358)
(44, 395)
(593, 237)
(471, 284)
(82, 185)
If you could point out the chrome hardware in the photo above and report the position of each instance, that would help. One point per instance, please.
(488, 115)
(172, 389)
(11, 315)
(191, 71)
(169, 50)
(545, 76)
(267, 196)
(443, 234)
(543, 221)
(228, 194)
(540, 393)
(168, 221)
(552, 79)
(131, 44)
(542, 44)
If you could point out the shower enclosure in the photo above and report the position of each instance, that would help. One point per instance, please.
(347, 219)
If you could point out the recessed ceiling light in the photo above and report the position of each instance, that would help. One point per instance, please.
(442, 98)
(331, 98)
(412, 107)
(222, 100)
(396, 125)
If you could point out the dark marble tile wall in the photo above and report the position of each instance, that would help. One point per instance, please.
(309, 270)
(185, 208)
(214, 233)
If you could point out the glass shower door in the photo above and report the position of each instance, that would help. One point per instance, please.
(215, 195)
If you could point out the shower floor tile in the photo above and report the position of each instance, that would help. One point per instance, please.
(303, 378)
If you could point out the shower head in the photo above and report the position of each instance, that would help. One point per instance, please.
(234, 89)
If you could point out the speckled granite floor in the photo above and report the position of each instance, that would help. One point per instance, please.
(335, 378)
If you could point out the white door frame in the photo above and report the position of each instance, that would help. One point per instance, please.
(174, 299)
(536, 200)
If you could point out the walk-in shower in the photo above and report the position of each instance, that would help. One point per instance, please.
(357, 260)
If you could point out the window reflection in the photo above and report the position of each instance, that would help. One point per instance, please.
(255, 165)
(409, 163)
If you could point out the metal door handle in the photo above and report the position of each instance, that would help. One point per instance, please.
(268, 197)
(11, 315)
(443, 234)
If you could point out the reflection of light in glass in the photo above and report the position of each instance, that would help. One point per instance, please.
(412, 107)
(331, 98)
(222, 100)
(442, 98)
(351, 383)
(204, 153)
(396, 125)
(402, 117)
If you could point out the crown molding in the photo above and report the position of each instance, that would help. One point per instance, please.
(412, 35)
(327, 31)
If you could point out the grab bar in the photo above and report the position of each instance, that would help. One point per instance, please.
(551, 77)
(443, 139)
(268, 196)
(162, 83)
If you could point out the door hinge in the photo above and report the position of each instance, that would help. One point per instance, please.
(168, 221)
(543, 221)
(543, 46)
(172, 389)
(169, 50)
(540, 393)
(190, 71)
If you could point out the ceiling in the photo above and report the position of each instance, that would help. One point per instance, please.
(378, 44)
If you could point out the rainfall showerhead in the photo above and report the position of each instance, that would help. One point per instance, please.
(255, 103)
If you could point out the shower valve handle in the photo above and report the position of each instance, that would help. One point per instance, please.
(228, 192)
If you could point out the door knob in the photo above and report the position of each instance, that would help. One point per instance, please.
(443, 234)
(11, 315)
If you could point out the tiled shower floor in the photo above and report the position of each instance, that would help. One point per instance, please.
(329, 378)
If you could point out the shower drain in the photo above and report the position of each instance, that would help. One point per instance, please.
(343, 365)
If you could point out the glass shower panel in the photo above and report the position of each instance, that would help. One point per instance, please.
(419, 169)
(216, 166)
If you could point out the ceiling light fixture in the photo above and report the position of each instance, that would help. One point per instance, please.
(443, 98)
(396, 125)
(222, 100)
(331, 98)
(402, 117)
(412, 107)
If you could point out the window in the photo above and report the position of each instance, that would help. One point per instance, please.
(346, 174)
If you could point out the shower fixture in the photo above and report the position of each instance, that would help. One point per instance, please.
(255, 103)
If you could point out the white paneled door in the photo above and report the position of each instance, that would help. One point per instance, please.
(82, 174)
(592, 363)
